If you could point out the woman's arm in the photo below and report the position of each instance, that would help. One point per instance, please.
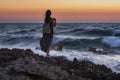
(53, 22)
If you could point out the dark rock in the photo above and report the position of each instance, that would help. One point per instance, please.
(57, 47)
(114, 77)
(97, 50)
(20, 64)
(75, 60)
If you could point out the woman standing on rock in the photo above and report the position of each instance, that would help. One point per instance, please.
(48, 32)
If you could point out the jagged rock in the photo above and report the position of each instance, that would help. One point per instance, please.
(4, 76)
(75, 60)
(20, 64)
(114, 77)
(28, 65)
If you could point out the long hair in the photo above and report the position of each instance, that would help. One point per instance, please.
(47, 16)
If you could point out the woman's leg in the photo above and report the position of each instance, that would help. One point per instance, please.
(48, 51)
(49, 40)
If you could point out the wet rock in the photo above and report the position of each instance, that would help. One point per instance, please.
(75, 60)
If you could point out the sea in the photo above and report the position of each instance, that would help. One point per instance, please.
(76, 38)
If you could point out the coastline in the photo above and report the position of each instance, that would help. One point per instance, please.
(23, 64)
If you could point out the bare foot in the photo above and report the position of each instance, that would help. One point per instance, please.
(47, 55)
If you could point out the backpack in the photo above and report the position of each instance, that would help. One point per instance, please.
(46, 28)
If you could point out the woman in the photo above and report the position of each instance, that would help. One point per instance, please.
(46, 40)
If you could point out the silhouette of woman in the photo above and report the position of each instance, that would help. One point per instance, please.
(46, 40)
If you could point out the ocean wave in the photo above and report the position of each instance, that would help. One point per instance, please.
(18, 36)
(75, 37)
(111, 61)
(21, 45)
(116, 32)
(76, 30)
(34, 36)
(82, 42)
(97, 32)
(19, 40)
(112, 41)
(90, 32)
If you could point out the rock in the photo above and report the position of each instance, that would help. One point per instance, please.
(57, 46)
(4, 76)
(20, 64)
(114, 77)
(28, 65)
(75, 60)
(99, 51)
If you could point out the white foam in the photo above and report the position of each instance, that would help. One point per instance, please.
(112, 41)
(21, 45)
(75, 37)
(35, 36)
(116, 32)
(111, 61)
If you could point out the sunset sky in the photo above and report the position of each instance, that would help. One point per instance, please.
(64, 10)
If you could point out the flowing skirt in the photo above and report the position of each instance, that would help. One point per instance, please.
(45, 42)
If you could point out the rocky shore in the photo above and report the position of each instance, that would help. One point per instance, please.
(20, 64)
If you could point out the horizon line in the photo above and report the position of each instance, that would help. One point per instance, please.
(43, 22)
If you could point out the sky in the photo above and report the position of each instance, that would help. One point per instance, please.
(33, 11)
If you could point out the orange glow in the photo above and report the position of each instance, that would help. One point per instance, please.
(64, 11)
